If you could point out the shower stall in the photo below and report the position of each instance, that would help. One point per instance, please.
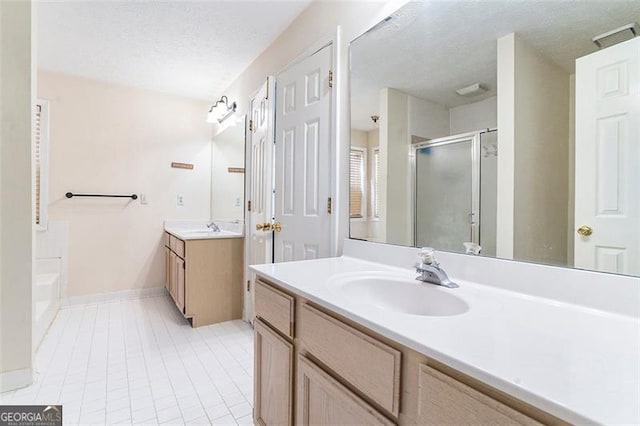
(455, 191)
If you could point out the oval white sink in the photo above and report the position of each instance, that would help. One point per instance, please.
(399, 294)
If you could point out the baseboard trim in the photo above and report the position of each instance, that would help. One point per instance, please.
(16, 379)
(139, 293)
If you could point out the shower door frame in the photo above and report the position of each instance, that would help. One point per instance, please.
(474, 215)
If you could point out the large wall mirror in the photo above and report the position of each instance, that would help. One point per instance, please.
(227, 172)
(502, 128)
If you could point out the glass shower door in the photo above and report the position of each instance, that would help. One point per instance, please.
(446, 194)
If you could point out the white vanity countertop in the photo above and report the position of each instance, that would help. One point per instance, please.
(577, 363)
(198, 230)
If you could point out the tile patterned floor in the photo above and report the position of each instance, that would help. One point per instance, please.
(139, 362)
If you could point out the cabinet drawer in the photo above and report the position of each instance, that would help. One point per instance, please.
(444, 400)
(274, 307)
(322, 400)
(177, 245)
(166, 239)
(367, 364)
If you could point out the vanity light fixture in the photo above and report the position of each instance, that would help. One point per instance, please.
(221, 110)
(473, 90)
(623, 33)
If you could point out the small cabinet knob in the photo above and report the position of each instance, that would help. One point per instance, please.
(585, 230)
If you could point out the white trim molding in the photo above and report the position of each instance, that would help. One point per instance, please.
(139, 293)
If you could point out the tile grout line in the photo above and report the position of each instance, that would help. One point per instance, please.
(136, 316)
(84, 389)
(189, 376)
(75, 342)
(78, 332)
(106, 379)
(162, 357)
(51, 357)
(126, 358)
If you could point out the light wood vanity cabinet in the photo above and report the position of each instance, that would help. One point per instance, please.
(369, 365)
(273, 377)
(323, 400)
(445, 401)
(204, 278)
(347, 374)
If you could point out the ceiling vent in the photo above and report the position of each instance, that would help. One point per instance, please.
(473, 90)
(624, 33)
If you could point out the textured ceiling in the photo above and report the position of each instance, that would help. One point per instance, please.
(187, 48)
(431, 48)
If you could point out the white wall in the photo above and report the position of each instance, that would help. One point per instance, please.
(107, 138)
(474, 116)
(17, 99)
(538, 134)
(506, 146)
(394, 179)
(227, 150)
(427, 119)
(373, 141)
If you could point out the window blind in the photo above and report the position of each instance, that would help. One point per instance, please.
(376, 170)
(356, 193)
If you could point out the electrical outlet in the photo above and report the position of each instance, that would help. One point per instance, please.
(180, 200)
(237, 201)
(143, 199)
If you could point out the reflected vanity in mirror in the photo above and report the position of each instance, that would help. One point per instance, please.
(504, 127)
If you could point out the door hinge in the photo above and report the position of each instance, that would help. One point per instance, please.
(249, 205)
(248, 285)
(330, 78)
(251, 125)
(329, 205)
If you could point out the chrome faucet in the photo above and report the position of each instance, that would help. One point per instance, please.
(430, 271)
(213, 226)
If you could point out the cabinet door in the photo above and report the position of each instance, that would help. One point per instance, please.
(322, 400)
(180, 283)
(173, 278)
(273, 377)
(167, 268)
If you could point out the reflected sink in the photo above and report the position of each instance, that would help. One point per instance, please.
(201, 232)
(398, 294)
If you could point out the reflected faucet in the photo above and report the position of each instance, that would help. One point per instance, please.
(430, 271)
(213, 226)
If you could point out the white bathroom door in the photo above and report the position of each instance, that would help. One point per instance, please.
(607, 158)
(259, 187)
(302, 159)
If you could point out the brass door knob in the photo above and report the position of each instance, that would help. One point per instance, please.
(277, 227)
(585, 230)
(266, 227)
